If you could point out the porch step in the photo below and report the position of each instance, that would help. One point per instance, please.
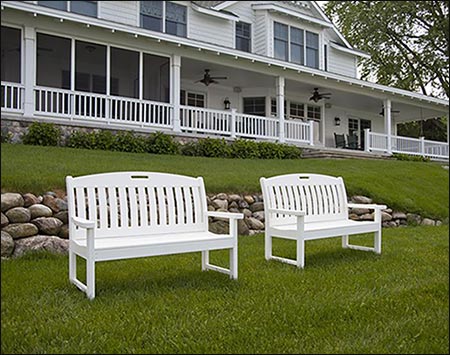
(332, 153)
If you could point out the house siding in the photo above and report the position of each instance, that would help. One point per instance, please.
(206, 28)
(341, 63)
(125, 12)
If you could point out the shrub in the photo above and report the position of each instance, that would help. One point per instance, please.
(160, 143)
(126, 141)
(245, 149)
(408, 157)
(208, 147)
(6, 137)
(40, 133)
(80, 140)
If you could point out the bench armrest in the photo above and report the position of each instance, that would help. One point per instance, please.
(369, 206)
(83, 222)
(229, 215)
(287, 212)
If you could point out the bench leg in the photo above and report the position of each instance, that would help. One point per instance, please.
(300, 253)
(234, 263)
(345, 241)
(268, 246)
(72, 266)
(90, 278)
(205, 259)
(377, 242)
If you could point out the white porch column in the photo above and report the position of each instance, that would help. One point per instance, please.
(280, 106)
(388, 124)
(175, 88)
(29, 69)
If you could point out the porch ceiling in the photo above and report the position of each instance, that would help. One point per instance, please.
(342, 95)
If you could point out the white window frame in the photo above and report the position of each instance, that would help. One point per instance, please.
(164, 18)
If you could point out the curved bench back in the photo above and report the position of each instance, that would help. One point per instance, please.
(321, 197)
(134, 203)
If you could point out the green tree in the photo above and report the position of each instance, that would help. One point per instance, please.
(409, 46)
(408, 41)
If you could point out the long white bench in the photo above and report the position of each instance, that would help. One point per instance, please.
(304, 207)
(138, 214)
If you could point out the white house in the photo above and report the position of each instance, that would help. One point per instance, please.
(267, 70)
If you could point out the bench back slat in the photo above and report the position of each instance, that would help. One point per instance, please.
(321, 197)
(135, 203)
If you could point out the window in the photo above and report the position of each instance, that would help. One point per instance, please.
(175, 19)
(296, 45)
(325, 57)
(164, 16)
(124, 72)
(152, 15)
(195, 100)
(243, 36)
(156, 78)
(58, 5)
(90, 67)
(296, 110)
(255, 106)
(312, 50)
(11, 54)
(281, 41)
(88, 8)
(313, 112)
(273, 107)
(53, 61)
(297, 48)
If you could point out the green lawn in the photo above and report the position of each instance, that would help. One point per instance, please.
(344, 301)
(410, 186)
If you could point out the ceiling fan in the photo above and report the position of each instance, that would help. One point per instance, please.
(208, 79)
(392, 111)
(319, 96)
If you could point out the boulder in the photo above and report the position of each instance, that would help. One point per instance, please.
(18, 215)
(257, 206)
(428, 222)
(10, 200)
(253, 223)
(398, 215)
(361, 199)
(29, 200)
(5, 220)
(48, 225)
(7, 244)
(21, 230)
(220, 204)
(39, 210)
(52, 244)
(249, 199)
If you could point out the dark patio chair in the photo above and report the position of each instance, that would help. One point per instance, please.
(339, 140)
(352, 141)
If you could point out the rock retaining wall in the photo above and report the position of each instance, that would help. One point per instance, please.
(30, 222)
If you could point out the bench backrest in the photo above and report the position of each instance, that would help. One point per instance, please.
(132, 203)
(321, 197)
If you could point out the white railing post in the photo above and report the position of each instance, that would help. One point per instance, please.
(311, 132)
(422, 146)
(280, 107)
(175, 91)
(367, 140)
(29, 70)
(388, 124)
(233, 123)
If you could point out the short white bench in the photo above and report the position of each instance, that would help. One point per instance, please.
(304, 207)
(138, 214)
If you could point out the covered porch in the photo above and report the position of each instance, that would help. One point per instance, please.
(65, 80)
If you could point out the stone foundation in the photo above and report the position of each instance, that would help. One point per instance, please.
(30, 223)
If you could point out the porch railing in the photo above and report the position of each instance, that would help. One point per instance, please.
(103, 109)
(380, 142)
(12, 97)
(98, 108)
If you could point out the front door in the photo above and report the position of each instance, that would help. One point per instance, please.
(356, 126)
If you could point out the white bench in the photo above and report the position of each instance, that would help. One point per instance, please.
(138, 214)
(304, 207)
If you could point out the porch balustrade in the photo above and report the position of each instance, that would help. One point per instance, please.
(378, 142)
(12, 97)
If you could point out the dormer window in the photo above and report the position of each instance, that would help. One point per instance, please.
(88, 8)
(164, 16)
(296, 45)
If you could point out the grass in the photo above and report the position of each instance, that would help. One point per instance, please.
(409, 186)
(344, 301)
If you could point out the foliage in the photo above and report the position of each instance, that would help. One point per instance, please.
(160, 143)
(433, 129)
(408, 41)
(407, 157)
(6, 137)
(245, 149)
(41, 133)
(208, 147)
(344, 301)
(126, 141)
